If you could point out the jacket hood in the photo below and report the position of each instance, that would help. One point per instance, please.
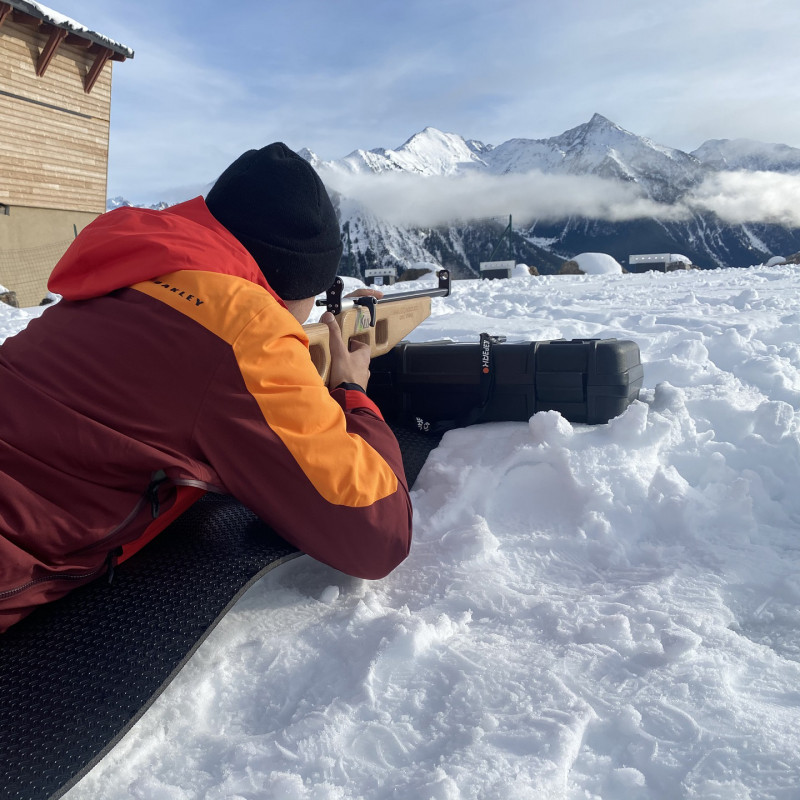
(129, 245)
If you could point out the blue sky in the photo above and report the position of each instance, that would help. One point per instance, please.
(210, 80)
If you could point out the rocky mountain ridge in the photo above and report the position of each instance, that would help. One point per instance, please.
(661, 175)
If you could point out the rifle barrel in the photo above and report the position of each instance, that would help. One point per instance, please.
(334, 303)
(443, 290)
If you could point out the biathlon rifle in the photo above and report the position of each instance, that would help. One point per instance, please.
(379, 322)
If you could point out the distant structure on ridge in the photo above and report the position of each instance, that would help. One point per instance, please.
(660, 262)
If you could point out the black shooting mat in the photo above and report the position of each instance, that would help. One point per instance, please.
(76, 674)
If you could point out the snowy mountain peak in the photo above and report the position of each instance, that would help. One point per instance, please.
(310, 156)
(603, 148)
(116, 202)
(429, 152)
(373, 212)
(434, 152)
(478, 147)
(432, 139)
(598, 121)
(737, 154)
(600, 135)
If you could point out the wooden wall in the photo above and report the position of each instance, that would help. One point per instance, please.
(53, 136)
(31, 242)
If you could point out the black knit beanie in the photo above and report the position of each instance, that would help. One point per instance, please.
(274, 203)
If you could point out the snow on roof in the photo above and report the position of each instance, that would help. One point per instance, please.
(60, 21)
(597, 263)
(654, 258)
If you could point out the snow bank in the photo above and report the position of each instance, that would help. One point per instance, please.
(13, 320)
(597, 264)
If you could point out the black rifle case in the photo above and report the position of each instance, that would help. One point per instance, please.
(442, 385)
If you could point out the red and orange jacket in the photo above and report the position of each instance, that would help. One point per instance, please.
(168, 369)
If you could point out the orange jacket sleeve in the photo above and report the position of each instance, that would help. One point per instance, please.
(322, 468)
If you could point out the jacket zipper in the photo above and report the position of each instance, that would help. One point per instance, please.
(150, 495)
(46, 578)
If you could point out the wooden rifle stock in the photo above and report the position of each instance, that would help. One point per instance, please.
(380, 323)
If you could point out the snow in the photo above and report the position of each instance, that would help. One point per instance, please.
(391, 198)
(433, 152)
(429, 152)
(586, 149)
(735, 154)
(13, 320)
(587, 612)
(61, 21)
(597, 263)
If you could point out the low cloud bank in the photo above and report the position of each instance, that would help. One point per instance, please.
(424, 201)
(405, 199)
(740, 197)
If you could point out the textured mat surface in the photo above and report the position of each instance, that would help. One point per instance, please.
(415, 447)
(76, 674)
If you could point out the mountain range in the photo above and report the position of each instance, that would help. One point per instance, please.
(598, 156)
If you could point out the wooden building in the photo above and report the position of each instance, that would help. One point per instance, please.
(55, 100)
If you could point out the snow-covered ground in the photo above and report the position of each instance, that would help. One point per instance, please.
(587, 612)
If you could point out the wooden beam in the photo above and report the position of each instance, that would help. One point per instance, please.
(27, 19)
(5, 10)
(57, 36)
(96, 69)
(78, 41)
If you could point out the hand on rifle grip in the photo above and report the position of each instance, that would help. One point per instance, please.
(347, 365)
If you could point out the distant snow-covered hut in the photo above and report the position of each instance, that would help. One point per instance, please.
(660, 262)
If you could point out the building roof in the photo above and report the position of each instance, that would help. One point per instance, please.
(81, 33)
